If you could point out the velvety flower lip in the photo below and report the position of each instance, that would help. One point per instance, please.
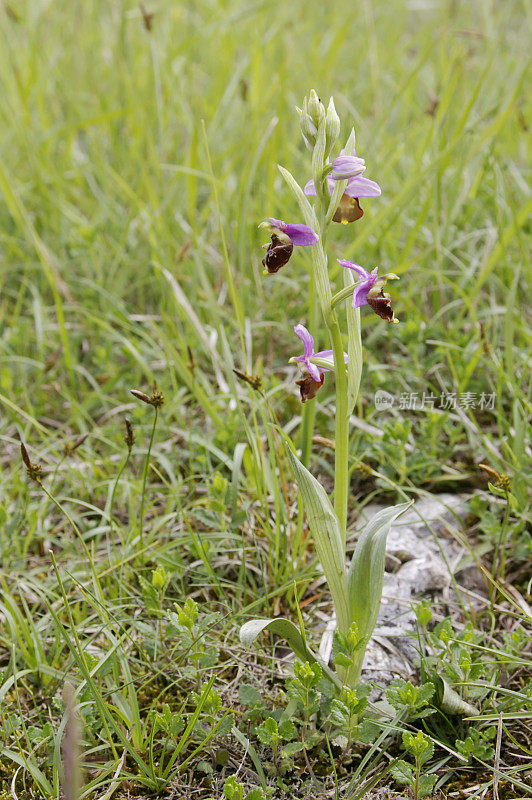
(308, 387)
(299, 234)
(347, 167)
(369, 290)
(313, 370)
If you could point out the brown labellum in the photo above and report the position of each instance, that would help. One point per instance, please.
(348, 210)
(381, 305)
(308, 387)
(278, 253)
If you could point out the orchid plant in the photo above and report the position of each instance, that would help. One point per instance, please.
(338, 184)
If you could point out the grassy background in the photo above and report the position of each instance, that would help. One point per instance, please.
(113, 274)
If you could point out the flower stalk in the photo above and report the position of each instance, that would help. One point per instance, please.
(337, 183)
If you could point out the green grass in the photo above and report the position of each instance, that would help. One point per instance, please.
(135, 167)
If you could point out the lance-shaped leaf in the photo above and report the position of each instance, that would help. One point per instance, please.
(291, 634)
(325, 529)
(366, 572)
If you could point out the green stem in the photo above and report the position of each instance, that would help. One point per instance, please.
(341, 436)
(75, 528)
(343, 294)
(144, 478)
(309, 409)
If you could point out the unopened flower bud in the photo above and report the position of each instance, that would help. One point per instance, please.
(315, 107)
(159, 578)
(308, 129)
(332, 127)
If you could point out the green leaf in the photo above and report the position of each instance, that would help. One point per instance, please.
(402, 772)
(426, 691)
(268, 732)
(282, 627)
(325, 529)
(341, 660)
(287, 729)
(292, 635)
(366, 572)
(232, 789)
(291, 749)
(426, 784)
(255, 794)
(299, 194)
(450, 701)
(248, 695)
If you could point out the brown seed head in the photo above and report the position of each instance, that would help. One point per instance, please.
(35, 471)
(500, 479)
(363, 469)
(157, 397)
(141, 396)
(68, 449)
(255, 381)
(129, 437)
(147, 17)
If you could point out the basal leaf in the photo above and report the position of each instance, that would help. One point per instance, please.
(366, 571)
(325, 529)
(291, 634)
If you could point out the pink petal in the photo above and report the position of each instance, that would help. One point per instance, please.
(347, 167)
(310, 191)
(355, 267)
(313, 371)
(306, 338)
(362, 187)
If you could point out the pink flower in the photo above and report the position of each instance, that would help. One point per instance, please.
(284, 236)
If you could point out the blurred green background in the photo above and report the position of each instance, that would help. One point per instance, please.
(106, 184)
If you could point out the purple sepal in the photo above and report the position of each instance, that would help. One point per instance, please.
(301, 235)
